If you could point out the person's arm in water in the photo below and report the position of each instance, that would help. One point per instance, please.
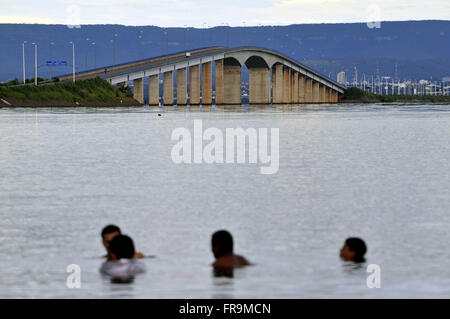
(138, 255)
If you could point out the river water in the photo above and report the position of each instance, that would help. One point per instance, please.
(380, 172)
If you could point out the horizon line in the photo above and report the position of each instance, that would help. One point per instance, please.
(220, 26)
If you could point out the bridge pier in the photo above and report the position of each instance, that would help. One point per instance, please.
(194, 85)
(309, 90)
(322, 94)
(138, 90)
(206, 83)
(295, 87)
(232, 81)
(259, 85)
(153, 90)
(316, 92)
(219, 81)
(335, 97)
(277, 79)
(168, 88)
(287, 86)
(182, 86)
(122, 85)
(301, 89)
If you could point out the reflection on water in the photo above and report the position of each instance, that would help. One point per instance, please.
(223, 272)
(122, 280)
(380, 172)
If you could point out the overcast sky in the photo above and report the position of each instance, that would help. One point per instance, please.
(199, 13)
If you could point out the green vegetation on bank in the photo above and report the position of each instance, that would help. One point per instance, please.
(17, 82)
(357, 95)
(80, 92)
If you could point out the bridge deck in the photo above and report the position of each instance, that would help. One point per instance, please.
(159, 61)
(114, 70)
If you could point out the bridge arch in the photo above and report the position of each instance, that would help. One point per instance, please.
(256, 61)
(243, 55)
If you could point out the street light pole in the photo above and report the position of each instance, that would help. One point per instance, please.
(114, 58)
(185, 30)
(244, 31)
(23, 60)
(140, 43)
(140, 46)
(95, 55)
(165, 42)
(73, 61)
(114, 48)
(35, 63)
(86, 56)
(210, 35)
(204, 34)
(227, 28)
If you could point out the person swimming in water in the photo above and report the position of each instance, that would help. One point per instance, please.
(354, 250)
(108, 234)
(122, 264)
(222, 248)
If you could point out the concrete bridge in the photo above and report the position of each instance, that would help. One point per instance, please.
(273, 78)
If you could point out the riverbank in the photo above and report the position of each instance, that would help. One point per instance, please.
(92, 92)
(355, 95)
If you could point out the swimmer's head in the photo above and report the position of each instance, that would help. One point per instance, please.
(354, 249)
(108, 233)
(222, 243)
(122, 247)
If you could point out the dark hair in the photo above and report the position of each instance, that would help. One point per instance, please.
(223, 240)
(110, 229)
(358, 246)
(122, 246)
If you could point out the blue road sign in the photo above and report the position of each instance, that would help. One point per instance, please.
(56, 63)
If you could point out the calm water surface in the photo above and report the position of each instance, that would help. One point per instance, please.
(381, 172)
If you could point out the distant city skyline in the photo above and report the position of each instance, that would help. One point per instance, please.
(209, 13)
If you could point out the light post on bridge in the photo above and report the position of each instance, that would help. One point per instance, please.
(210, 35)
(244, 32)
(86, 55)
(166, 41)
(185, 31)
(140, 44)
(227, 27)
(95, 54)
(113, 42)
(204, 34)
(163, 41)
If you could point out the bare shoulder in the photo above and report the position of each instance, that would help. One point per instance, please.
(231, 261)
(242, 261)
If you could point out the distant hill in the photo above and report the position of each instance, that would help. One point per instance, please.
(421, 49)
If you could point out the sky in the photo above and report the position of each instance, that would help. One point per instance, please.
(209, 13)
